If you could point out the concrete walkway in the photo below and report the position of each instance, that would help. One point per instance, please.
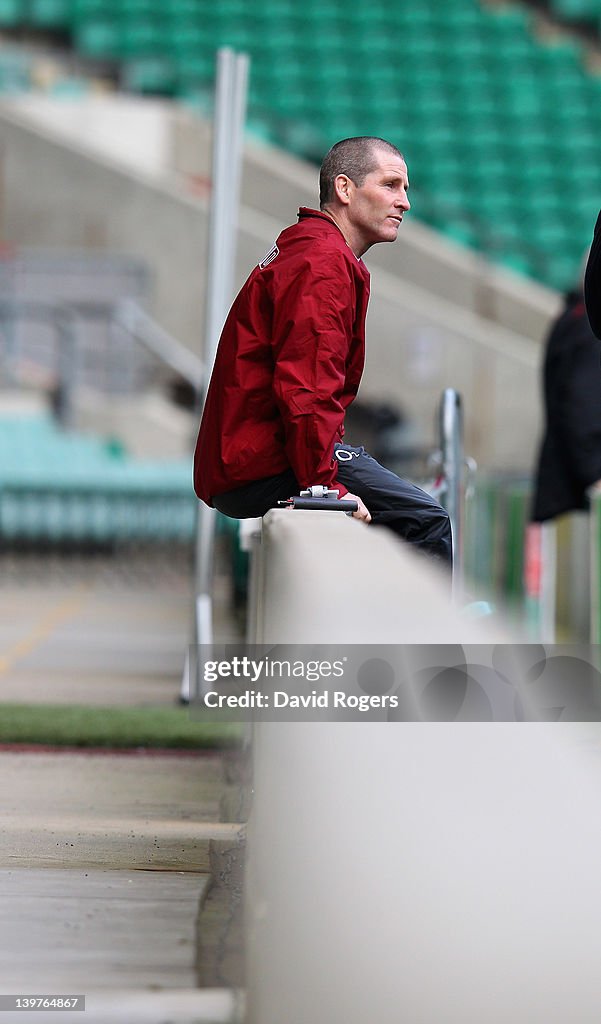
(111, 630)
(105, 858)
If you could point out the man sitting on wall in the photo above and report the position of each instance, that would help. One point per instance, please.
(291, 356)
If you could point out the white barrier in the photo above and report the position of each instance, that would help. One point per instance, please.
(323, 578)
(411, 871)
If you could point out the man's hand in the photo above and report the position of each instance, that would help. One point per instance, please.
(362, 512)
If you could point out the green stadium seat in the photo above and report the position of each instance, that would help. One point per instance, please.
(577, 9)
(518, 261)
(279, 48)
(569, 119)
(85, 10)
(59, 487)
(585, 206)
(193, 70)
(466, 88)
(565, 59)
(470, 51)
(156, 75)
(49, 14)
(289, 104)
(456, 22)
(505, 235)
(562, 272)
(261, 126)
(141, 9)
(69, 88)
(548, 235)
(522, 102)
(183, 38)
(185, 10)
(407, 17)
(140, 39)
(12, 12)
(485, 195)
(302, 138)
(237, 37)
(232, 10)
(511, 21)
(14, 73)
(100, 39)
(463, 233)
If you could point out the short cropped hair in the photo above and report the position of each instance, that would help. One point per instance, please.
(354, 157)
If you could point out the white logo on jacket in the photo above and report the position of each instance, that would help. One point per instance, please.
(269, 257)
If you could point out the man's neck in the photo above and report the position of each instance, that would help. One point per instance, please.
(345, 232)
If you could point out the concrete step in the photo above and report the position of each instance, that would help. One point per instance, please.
(71, 929)
(176, 1006)
(105, 861)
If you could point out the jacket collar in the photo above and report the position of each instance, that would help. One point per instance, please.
(305, 213)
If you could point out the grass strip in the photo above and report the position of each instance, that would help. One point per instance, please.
(77, 725)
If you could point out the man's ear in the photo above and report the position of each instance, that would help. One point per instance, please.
(342, 188)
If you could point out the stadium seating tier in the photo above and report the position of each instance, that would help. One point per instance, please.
(491, 117)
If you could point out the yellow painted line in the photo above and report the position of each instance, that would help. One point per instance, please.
(49, 622)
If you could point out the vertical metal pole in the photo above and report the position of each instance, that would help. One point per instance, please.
(219, 226)
(595, 525)
(230, 113)
(241, 70)
(451, 437)
(67, 361)
(8, 321)
(228, 125)
(548, 582)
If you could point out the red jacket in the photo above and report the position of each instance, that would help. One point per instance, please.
(289, 363)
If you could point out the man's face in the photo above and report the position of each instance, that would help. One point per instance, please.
(375, 209)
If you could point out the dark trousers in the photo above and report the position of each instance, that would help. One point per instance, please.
(401, 506)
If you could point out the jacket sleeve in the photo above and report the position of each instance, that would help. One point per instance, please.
(592, 281)
(580, 414)
(312, 334)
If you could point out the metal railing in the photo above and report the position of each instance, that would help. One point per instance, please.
(62, 320)
(230, 111)
(68, 320)
(228, 127)
(142, 328)
(451, 440)
(71, 276)
(456, 475)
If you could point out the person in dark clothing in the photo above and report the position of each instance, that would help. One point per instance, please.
(569, 462)
(592, 281)
(291, 355)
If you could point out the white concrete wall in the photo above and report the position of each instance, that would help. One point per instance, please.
(54, 194)
(425, 873)
(411, 871)
(132, 131)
